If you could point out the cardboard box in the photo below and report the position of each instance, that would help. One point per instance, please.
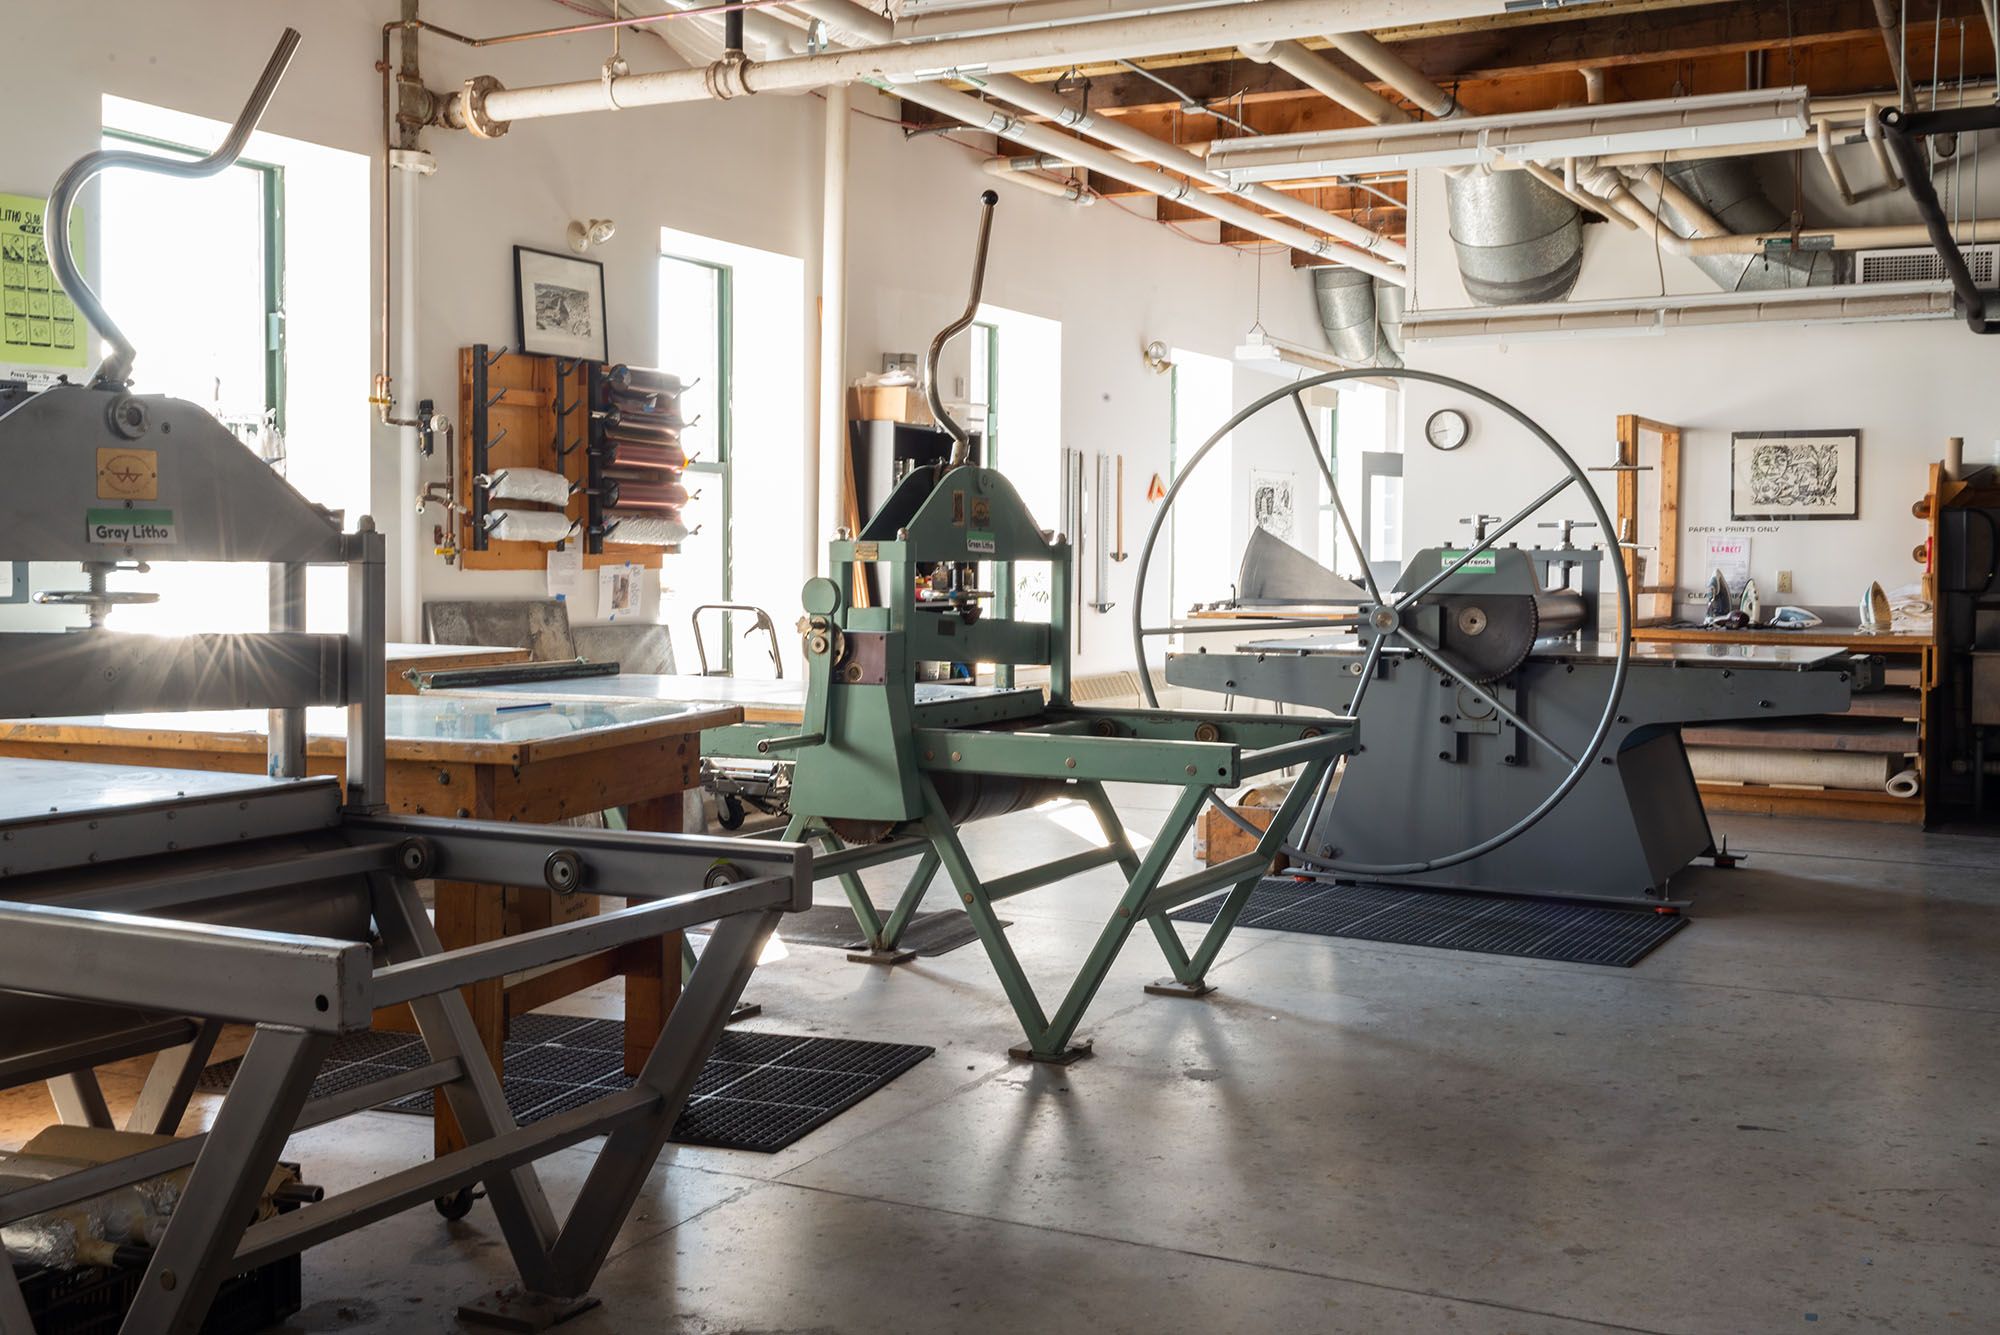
(888, 403)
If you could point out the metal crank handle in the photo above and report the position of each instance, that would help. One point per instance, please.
(961, 448)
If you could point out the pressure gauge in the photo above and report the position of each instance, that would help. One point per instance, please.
(1447, 429)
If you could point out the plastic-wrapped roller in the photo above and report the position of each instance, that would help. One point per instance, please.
(528, 484)
(648, 495)
(644, 529)
(643, 455)
(529, 526)
(641, 378)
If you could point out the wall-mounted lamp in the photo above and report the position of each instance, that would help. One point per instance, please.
(584, 235)
(1156, 357)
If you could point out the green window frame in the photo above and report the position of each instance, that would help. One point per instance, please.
(721, 468)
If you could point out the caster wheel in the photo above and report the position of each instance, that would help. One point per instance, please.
(457, 1205)
(730, 815)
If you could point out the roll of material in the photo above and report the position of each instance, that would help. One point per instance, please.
(528, 525)
(1851, 771)
(649, 492)
(637, 455)
(646, 530)
(1904, 783)
(529, 484)
(643, 426)
(641, 379)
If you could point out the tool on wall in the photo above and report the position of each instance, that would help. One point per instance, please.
(1119, 554)
(1100, 521)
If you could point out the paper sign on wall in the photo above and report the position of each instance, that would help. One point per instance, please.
(617, 591)
(1730, 554)
(39, 326)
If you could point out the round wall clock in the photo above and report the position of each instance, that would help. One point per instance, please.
(1447, 429)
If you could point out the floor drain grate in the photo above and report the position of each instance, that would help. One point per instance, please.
(758, 1091)
(1541, 929)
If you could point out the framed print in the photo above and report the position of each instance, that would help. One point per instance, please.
(1795, 475)
(559, 305)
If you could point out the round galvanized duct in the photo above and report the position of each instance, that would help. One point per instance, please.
(1349, 312)
(1729, 189)
(1518, 241)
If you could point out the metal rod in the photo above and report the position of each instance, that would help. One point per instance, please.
(116, 369)
(1485, 542)
(961, 442)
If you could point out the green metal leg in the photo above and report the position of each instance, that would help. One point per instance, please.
(913, 895)
(1114, 829)
(1190, 977)
(881, 942)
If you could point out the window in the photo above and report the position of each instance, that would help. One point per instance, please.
(1364, 453)
(1016, 395)
(732, 322)
(198, 275)
(1204, 563)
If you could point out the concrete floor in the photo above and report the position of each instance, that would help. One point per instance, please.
(1785, 1119)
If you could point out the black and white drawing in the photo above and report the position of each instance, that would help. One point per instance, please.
(1273, 506)
(1795, 475)
(559, 304)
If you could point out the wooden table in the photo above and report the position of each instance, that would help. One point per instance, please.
(466, 758)
(442, 658)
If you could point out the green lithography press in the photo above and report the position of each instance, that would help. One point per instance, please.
(887, 767)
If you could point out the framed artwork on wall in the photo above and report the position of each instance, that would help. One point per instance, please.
(559, 305)
(1795, 475)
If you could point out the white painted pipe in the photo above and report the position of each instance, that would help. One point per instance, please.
(1577, 195)
(1847, 238)
(826, 475)
(933, 24)
(1324, 77)
(848, 21)
(1029, 176)
(1393, 70)
(992, 120)
(1112, 39)
(409, 466)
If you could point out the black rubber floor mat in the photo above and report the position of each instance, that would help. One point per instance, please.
(758, 1091)
(833, 926)
(1540, 929)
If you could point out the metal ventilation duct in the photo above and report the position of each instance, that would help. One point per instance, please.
(1729, 189)
(1517, 240)
(1349, 312)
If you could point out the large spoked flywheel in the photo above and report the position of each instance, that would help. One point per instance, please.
(1428, 617)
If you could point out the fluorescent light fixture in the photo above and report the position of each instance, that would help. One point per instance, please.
(1720, 120)
(1267, 352)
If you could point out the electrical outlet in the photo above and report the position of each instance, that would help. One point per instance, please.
(1784, 581)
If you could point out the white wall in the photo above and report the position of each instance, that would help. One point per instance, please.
(1906, 386)
(746, 171)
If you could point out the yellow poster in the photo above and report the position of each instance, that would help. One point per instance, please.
(39, 326)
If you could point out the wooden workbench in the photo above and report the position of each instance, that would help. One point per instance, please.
(467, 759)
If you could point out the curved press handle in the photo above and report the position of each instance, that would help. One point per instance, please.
(116, 369)
(961, 448)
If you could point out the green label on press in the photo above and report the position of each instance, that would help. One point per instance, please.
(1483, 561)
(976, 541)
(130, 528)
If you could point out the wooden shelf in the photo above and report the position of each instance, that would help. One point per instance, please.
(1836, 638)
(1825, 732)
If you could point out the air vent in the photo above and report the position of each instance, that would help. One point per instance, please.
(1921, 264)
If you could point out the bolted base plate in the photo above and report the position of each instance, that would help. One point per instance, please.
(515, 1309)
(745, 1010)
(882, 957)
(1174, 987)
(1076, 1051)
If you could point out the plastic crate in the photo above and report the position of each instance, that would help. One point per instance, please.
(92, 1301)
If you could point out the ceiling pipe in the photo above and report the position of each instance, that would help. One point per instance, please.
(1890, 22)
(962, 57)
(986, 117)
(971, 22)
(850, 22)
(1027, 172)
(1398, 73)
(1324, 77)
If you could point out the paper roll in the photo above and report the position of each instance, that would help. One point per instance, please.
(529, 484)
(1903, 784)
(1851, 770)
(528, 525)
(644, 455)
(646, 530)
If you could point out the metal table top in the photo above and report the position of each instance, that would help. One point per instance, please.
(31, 791)
(762, 700)
(1795, 657)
